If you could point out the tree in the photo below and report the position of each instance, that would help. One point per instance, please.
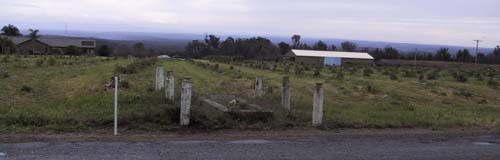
(463, 55)
(72, 50)
(195, 48)
(6, 45)
(34, 34)
(139, 49)
(284, 48)
(10, 30)
(104, 51)
(333, 47)
(296, 41)
(321, 46)
(496, 51)
(443, 54)
(348, 46)
(391, 53)
(228, 47)
(377, 54)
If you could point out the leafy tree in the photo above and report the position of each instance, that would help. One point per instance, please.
(496, 51)
(10, 30)
(72, 50)
(228, 47)
(6, 45)
(34, 34)
(443, 54)
(195, 49)
(321, 46)
(377, 54)
(348, 46)
(296, 41)
(104, 51)
(284, 48)
(139, 49)
(463, 56)
(391, 53)
(333, 47)
(212, 41)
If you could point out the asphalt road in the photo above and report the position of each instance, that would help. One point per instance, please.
(318, 147)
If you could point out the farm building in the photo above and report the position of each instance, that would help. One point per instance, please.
(331, 58)
(25, 45)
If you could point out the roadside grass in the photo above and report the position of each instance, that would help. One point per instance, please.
(68, 95)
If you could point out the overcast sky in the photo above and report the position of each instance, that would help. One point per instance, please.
(452, 22)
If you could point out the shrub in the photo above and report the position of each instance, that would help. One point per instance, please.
(393, 76)
(4, 75)
(463, 92)
(409, 74)
(52, 62)
(339, 75)
(124, 84)
(287, 69)
(492, 82)
(5, 59)
(39, 62)
(26, 89)
(433, 75)
(367, 72)
(459, 77)
(421, 77)
(231, 67)
(299, 70)
(317, 72)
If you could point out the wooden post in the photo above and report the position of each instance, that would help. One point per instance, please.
(285, 93)
(317, 116)
(185, 101)
(170, 85)
(116, 107)
(259, 86)
(159, 78)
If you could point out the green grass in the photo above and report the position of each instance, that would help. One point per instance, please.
(70, 96)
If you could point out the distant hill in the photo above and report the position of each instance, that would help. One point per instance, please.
(177, 41)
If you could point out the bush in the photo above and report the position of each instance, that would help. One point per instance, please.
(26, 89)
(5, 59)
(460, 77)
(231, 67)
(367, 72)
(4, 75)
(287, 69)
(39, 62)
(433, 75)
(409, 74)
(393, 76)
(124, 84)
(299, 70)
(317, 72)
(492, 82)
(52, 62)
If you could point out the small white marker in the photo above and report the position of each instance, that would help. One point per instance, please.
(2, 154)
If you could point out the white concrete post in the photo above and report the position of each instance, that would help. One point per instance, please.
(170, 85)
(185, 101)
(159, 78)
(116, 106)
(285, 93)
(317, 115)
(259, 86)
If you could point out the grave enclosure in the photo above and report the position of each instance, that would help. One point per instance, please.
(228, 103)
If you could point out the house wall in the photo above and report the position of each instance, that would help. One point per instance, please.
(32, 47)
(310, 60)
(357, 61)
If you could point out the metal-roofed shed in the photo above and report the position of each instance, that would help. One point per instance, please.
(332, 58)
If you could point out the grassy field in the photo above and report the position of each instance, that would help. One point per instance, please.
(68, 94)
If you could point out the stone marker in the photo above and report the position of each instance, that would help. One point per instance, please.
(285, 93)
(259, 86)
(317, 115)
(170, 85)
(159, 78)
(116, 106)
(185, 101)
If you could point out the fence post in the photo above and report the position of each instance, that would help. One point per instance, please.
(285, 94)
(159, 78)
(116, 107)
(170, 85)
(317, 116)
(185, 101)
(259, 86)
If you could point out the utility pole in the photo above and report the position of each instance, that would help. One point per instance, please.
(477, 52)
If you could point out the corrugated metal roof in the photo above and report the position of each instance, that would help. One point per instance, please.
(57, 42)
(311, 53)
